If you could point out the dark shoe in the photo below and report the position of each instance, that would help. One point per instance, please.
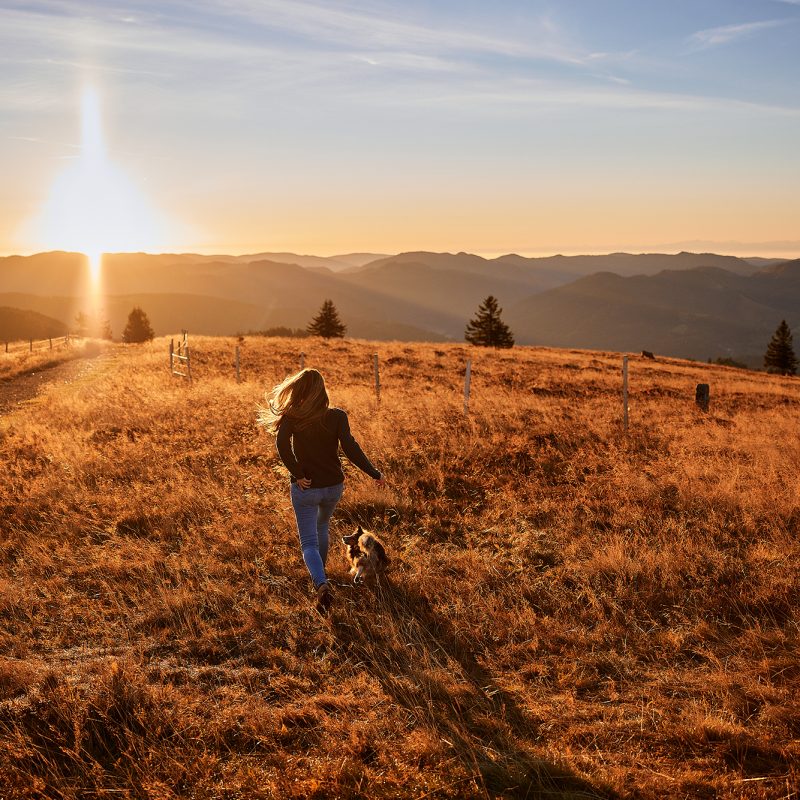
(324, 598)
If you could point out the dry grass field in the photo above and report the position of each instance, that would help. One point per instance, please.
(21, 360)
(572, 612)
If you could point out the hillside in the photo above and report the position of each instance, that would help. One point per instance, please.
(702, 306)
(572, 612)
(634, 263)
(701, 313)
(17, 324)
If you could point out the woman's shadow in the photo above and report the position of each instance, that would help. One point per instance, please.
(430, 670)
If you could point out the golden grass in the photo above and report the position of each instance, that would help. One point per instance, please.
(21, 360)
(572, 612)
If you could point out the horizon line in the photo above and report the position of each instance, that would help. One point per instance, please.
(781, 250)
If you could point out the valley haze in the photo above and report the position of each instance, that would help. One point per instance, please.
(690, 305)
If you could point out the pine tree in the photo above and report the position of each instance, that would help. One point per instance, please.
(81, 324)
(138, 328)
(780, 356)
(96, 327)
(487, 329)
(104, 329)
(327, 323)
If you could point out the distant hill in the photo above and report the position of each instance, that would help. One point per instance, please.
(63, 273)
(358, 259)
(518, 275)
(761, 263)
(690, 304)
(444, 298)
(169, 313)
(633, 264)
(701, 313)
(334, 263)
(784, 268)
(18, 323)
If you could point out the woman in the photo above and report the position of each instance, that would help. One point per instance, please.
(308, 437)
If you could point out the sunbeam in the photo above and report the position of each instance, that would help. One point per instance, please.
(93, 206)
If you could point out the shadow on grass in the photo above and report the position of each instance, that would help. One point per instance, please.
(429, 670)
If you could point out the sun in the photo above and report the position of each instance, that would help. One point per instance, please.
(93, 206)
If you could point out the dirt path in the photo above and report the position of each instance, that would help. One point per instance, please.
(25, 387)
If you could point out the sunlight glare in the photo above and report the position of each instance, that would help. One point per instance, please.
(93, 206)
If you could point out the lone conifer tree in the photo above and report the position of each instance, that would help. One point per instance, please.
(96, 327)
(327, 323)
(487, 328)
(780, 353)
(138, 328)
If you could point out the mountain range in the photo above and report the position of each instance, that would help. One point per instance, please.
(694, 305)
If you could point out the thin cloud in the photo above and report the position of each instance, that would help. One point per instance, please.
(725, 34)
(520, 97)
(320, 25)
(325, 46)
(381, 28)
(339, 48)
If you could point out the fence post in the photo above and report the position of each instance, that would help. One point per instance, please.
(188, 363)
(701, 396)
(625, 393)
(302, 360)
(467, 380)
(31, 345)
(171, 355)
(377, 379)
(51, 343)
(237, 364)
(6, 347)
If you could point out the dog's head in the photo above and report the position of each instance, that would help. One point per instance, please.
(352, 539)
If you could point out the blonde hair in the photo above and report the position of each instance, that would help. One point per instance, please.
(302, 397)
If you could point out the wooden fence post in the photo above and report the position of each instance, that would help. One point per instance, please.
(625, 393)
(51, 343)
(188, 363)
(467, 380)
(237, 364)
(377, 379)
(171, 355)
(31, 345)
(6, 347)
(701, 396)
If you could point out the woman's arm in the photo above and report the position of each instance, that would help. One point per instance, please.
(353, 450)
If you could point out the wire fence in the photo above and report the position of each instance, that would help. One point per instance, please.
(30, 345)
(180, 365)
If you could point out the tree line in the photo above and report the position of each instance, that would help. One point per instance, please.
(485, 329)
(137, 329)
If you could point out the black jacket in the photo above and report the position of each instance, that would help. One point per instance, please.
(312, 451)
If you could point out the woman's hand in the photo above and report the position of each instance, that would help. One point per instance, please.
(304, 483)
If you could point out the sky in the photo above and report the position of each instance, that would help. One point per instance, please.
(334, 127)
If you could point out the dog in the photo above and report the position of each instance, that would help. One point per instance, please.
(366, 554)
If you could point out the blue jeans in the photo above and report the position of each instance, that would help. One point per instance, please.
(313, 509)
